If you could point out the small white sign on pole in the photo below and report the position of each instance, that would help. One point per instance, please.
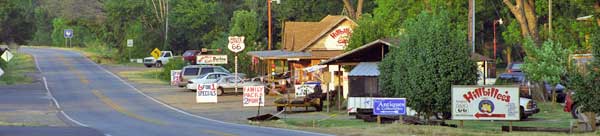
(7, 56)
(304, 89)
(485, 103)
(129, 42)
(1, 72)
(175, 77)
(254, 96)
(206, 93)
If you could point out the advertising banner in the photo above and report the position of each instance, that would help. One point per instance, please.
(254, 96)
(206, 93)
(389, 106)
(175, 77)
(485, 103)
(304, 89)
(211, 59)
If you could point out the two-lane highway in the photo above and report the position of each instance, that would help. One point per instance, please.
(88, 95)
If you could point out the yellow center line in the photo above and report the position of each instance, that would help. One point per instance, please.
(82, 77)
(122, 110)
(218, 133)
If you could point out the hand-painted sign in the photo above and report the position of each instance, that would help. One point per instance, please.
(304, 89)
(206, 93)
(389, 106)
(254, 96)
(211, 59)
(338, 38)
(175, 77)
(485, 103)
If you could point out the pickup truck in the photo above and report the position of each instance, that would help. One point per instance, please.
(164, 58)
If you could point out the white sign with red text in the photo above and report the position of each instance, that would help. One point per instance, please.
(485, 103)
(338, 38)
(254, 96)
(206, 93)
(211, 59)
(175, 77)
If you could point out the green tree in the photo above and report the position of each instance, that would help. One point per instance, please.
(545, 64)
(585, 83)
(368, 30)
(245, 23)
(431, 57)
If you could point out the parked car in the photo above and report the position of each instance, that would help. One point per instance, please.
(515, 74)
(528, 107)
(205, 79)
(190, 56)
(193, 71)
(163, 58)
(228, 83)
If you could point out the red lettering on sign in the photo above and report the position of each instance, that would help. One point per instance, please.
(490, 92)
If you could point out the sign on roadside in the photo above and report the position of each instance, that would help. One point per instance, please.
(129, 42)
(155, 53)
(236, 43)
(254, 96)
(211, 59)
(304, 89)
(7, 56)
(1, 72)
(175, 77)
(389, 106)
(206, 93)
(68, 33)
(485, 103)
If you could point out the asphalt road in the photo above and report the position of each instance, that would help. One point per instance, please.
(89, 96)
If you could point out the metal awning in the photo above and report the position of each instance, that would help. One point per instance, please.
(279, 54)
(371, 52)
(365, 69)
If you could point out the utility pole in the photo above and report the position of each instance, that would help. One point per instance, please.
(550, 19)
(166, 24)
(269, 18)
(471, 25)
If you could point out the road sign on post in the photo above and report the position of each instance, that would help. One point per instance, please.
(129, 42)
(7, 56)
(155, 53)
(389, 106)
(68, 33)
(236, 44)
(1, 72)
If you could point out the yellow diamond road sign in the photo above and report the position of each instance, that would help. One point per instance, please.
(7, 56)
(155, 53)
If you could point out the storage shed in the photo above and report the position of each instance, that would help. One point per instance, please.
(364, 80)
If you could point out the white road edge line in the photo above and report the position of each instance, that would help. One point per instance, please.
(184, 112)
(53, 98)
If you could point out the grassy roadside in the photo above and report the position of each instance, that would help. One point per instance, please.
(143, 77)
(16, 70)
(549, 116)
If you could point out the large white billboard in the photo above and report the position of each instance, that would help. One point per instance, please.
(485, 103)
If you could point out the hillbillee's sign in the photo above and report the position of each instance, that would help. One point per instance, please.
(485, 103)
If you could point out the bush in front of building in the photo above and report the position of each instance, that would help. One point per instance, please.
(431, 57)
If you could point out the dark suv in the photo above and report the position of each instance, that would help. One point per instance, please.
(515, 74)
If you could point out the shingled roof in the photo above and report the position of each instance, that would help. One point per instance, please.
(298, 36)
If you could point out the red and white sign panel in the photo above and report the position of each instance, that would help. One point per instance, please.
(206, 93)
(175, 77)
(211, 59)
(254, 96)
(485, 103)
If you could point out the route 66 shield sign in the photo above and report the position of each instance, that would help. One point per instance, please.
(236, 43)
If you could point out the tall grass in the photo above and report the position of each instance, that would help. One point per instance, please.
(15, 71)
